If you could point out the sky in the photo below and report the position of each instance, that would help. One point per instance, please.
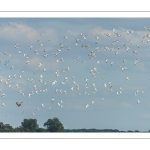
(95, 69)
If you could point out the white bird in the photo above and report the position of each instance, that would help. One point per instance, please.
(53, 100)
(27, 62)
(138, 102)
(12, 67)
(17, 86)
(33, 113)
(105, 85)
(41, 76)
(3, 95)
(45, 56)
(98, 62)
(45, 50)
(35, 51)
(117, 93)
(62, 83)
(136, 92)
(92, 102)
(107, 34)
(36, 92)
(113, 30)
(54, 82)
(17, 45)
(44, 69)
(72, 88)
(142, 92)
(30, 94)
(123, 68)
(102, 99)
(57, 61)
(30, 47)
(111, 63)
(134, 52)
(60, 91)
(120, 88)
(65, 37)
(68, 68)
(42, 105)
(86, 80)
(37, 108)
(66, 78)
(20, 77)
(87, 105)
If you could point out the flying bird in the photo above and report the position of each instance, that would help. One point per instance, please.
(18, 104)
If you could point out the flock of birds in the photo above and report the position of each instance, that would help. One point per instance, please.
(92, 52)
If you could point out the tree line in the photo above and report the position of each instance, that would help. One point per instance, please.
(51, 125)
(31, 125)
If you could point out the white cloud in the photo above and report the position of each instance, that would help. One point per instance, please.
(23, 33)
(16, 31)
(72, 33)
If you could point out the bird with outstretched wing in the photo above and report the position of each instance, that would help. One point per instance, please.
(18, 104)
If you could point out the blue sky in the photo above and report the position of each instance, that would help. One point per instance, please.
(119, 109)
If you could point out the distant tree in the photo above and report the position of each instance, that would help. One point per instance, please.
(129, 131)
(8, 128)
(54, 125)
(29, 125)
(18, 129)
(5, 127)
(21, 129)
(41, 130)
(1, 125)
(136, 131)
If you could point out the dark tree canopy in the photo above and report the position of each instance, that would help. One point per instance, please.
(5, 127)
(41, 130)
(30, 124)
(54, 125)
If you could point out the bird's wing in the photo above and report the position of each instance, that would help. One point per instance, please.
(17, 104)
